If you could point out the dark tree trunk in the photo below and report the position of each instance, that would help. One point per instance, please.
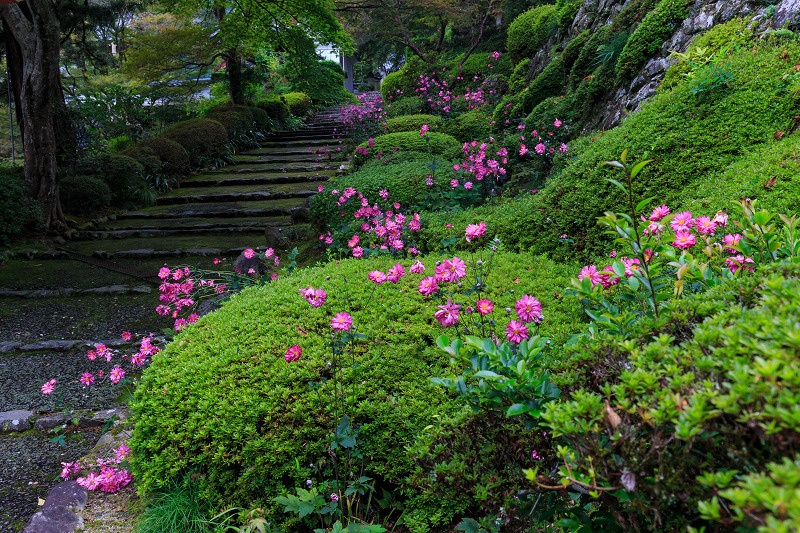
(32, 33)
(234, 70)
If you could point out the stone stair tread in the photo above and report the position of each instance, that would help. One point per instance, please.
(225, 209)
(192, 223)
(211, 180)
(146, 247)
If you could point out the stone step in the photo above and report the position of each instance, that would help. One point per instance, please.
(250, 179)
(191, 223)
(266, 158)
(294, 144)
(305, 139)
(265, 208)
(282, 151)
(208, 244)
(234, 197)
(156, 233)
(273, 168)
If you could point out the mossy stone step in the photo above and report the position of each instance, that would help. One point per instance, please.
(100, 235)
(169, 246)
(194, 223)
(246, 168)
(284, 151)
(277, 143)
(214, 181)
(233, 197)
(277, 160)
(263, 208)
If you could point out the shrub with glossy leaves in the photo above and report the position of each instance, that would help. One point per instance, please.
(705, 394)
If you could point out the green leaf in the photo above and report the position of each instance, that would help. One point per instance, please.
(638, 167)
(517, 409)
(486, 374)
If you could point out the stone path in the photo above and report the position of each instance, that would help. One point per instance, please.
(53, 308)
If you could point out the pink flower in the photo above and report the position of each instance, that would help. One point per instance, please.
(682, 221)
(395, 273)
(557, 123)
(738, 261)
(540, 148)
(529, 309)
(454, 269)
(423, 129)
(178, 274)
(456, 167)
(358, 251)
(49, 387)
(334, 497)
(522, 149)
(468, 185)
(121, 453)
(475, 231)
(249, 253)
(377, 276)
(720, 219)
(180, 324)
(631, 265)
(164, 273)
(342, 322)
(293, 353)
(428, 286)
(590, 271)
(417, 268)
(453, 183)
(659, 213)
(447, 314)
(613, 254)
(116, 375)
(273, 276)
(731, 240)
(485, 306)
(516, 332)
(684, 239)
(87, 379)
(353, 241)
(704, 225)
(92, 355)
(126, 335)
(269, 253)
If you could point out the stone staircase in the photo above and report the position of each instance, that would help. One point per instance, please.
(52, 307)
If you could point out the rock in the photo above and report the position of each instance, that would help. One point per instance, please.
(9, 346)
(108, 290)
(57, 519)
(786, 13)
(141, 289)
(300, 215)
(135, 254)
(43, 293)
(58, 345)
(51, 421)
(11, 293)
(275, 238)
(243, 265)
(11, 421)
(210, 305)
(108, 414)
(102, 254)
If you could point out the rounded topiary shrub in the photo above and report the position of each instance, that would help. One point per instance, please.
(221, 399)
(172, 154)
(299, 103)
(235, 118)
(413, 123)
(438, 144)
(275, 108)
(407, 105)
(121, 173)
(394, 86)
(471, 126)
(260, 118)
(404, 181)
(84, 195)
(201, 137)
(530, 31)
(18, 211)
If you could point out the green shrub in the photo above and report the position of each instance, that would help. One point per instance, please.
(769, 174)
(585, 63)
(84, 195)
(407, 105)
(234, 118)
(394, 86)
(260, 118)
(18, 211)
(530, 31)
(686, 136)
(566, 11)
(275, 107)
(273, 425)
(201, 137)
(632, 14)
(322, 81)
(574, 48)
(146, 157)
(121, 173)
(413, 123)
(550, 82)
(649, 36)
(172, 154)
(470, 126)
(439, 144)
(580, 107)
(697, 403)
(178, 507)
(404, 180)
(299, 103)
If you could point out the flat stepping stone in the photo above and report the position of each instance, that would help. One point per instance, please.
(210, 181)
(275, 143)
(248, 168)
(229, 197)
(13, 421)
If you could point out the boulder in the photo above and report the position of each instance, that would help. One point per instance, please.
(18, 420)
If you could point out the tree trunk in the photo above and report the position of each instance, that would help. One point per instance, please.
(234, 70)
(32, 33)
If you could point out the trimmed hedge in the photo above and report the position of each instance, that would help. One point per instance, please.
(220, 399)
(529, 32)
(407, 105)
(404, 181)
(413, 123)
(171, 153)
(394, 82)
(440, 144)
(235, 118)
(199, 136)
(275, 107)
(471, 126)
(260, 118)
(121, 173)
(84, 195)
(298, 103)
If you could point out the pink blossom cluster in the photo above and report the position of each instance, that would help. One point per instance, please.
(480, 163)
(545, 144)
(111, 478)
(362, 118)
